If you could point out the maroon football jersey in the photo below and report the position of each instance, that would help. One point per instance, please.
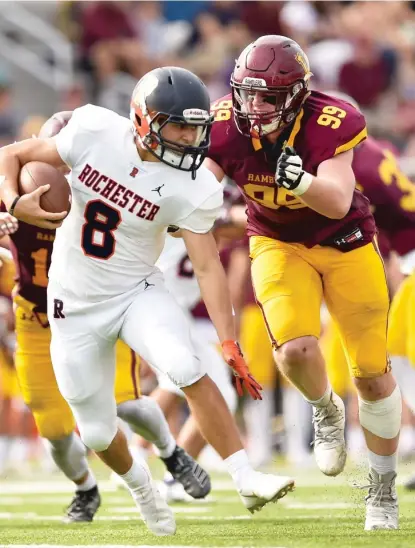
(31, 248)
(324, 127)
(390, 192)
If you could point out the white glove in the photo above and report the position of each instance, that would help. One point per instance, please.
(290, 173)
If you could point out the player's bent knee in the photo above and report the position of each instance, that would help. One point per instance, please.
(61, 445)
(194, 389)
(297, 351)
(185, 369)
(374, 388)
(98, 435)
(382, 417)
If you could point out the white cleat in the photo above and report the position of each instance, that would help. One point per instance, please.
(382, 511)
(154, 510)
(329, 444)
(264, 488)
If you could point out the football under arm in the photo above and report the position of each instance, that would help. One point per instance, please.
(212, 280)
(14, 157)
(331, 191)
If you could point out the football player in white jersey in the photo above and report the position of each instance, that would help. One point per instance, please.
(130, 180)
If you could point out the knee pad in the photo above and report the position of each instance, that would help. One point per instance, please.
(382, 417)
(165, 383)
(97, 435)
(185, 369)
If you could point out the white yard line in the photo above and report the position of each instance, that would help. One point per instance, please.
(176, 509)
(302, 505)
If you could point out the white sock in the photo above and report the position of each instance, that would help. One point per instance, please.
(167, 450)
(238, 466)
(137, 477)
(324, 400)
(382, 464)
(89, 483)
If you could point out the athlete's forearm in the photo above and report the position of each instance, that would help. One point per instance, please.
(14, 157)
(328, 198)
(215, 294)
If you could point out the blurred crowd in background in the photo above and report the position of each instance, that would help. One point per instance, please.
(365, 49)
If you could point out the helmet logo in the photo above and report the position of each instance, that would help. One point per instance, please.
(195, 115)
(254, 82)
(146, 86)
(301, 58)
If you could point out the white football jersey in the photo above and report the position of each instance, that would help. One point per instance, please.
(178, 273)
(121, 206)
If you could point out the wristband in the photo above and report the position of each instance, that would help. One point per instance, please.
(14, 203)
(304, 185)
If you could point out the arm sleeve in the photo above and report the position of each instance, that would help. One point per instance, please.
(201, 220)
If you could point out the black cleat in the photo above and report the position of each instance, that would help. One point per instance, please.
(83, 507)
(186, 470)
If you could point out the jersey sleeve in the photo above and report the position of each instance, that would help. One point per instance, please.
(331, 127)
(201, 220)
(77, 136)
(222, 113)
(354, 132)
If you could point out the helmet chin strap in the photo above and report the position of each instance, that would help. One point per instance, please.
(171, 157)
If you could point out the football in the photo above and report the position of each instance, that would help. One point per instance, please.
(36, 174)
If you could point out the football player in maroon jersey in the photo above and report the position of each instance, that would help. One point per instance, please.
(290, 151)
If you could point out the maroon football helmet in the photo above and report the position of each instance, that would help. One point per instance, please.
(269, 85)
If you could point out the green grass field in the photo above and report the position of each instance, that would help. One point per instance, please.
(321, 513)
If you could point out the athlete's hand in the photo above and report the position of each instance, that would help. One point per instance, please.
(290, 173)
(8, 224)
(234, 358)
(28, 210)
